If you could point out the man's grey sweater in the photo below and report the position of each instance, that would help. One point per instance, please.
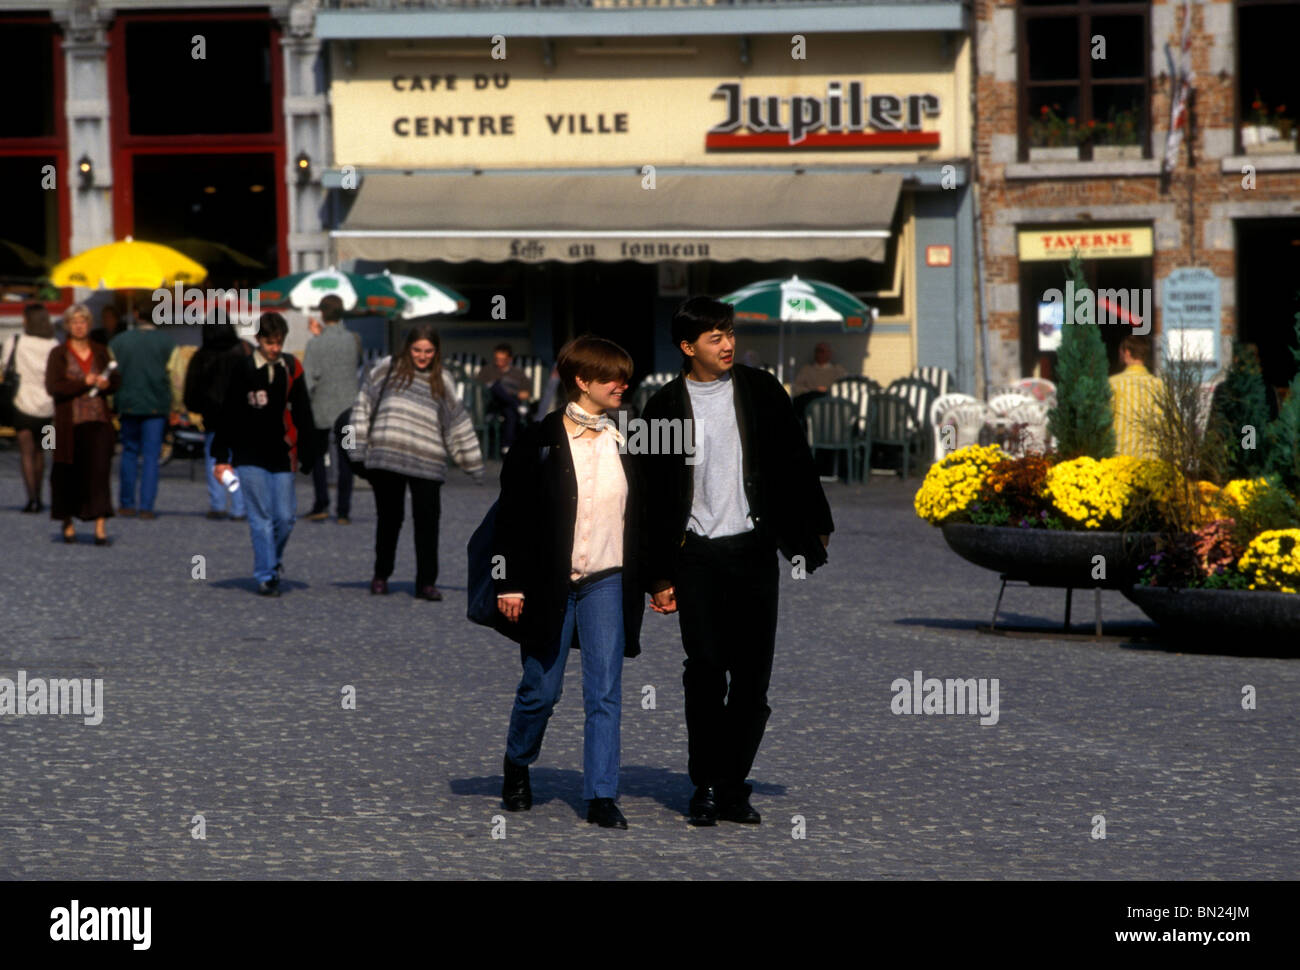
(330, 366)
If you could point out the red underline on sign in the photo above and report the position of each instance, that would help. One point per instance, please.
(838, 139)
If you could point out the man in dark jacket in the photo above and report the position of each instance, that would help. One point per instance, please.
(206, 379)
(265, 407)
(142, 354)
(716, 515)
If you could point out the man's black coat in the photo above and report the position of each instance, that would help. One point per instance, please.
(534, 532)
(781, 482)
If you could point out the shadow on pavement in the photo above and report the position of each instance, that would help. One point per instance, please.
(669, 788)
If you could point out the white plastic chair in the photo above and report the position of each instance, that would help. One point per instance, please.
(1005, 401)
(967, 421)
(1034, 436)
(938, 408)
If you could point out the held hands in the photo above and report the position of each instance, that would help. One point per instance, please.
(511, 607)
(664, 601)
(219, 470)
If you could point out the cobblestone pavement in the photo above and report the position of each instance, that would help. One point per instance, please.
(219, 703)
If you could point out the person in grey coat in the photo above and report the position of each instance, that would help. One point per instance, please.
(330, 366)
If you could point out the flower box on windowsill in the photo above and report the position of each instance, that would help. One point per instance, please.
(1069, 153)
(1116, 153)
(1266, 140)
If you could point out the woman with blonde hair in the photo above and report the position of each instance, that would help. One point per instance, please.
(78, 378)
(406, 422)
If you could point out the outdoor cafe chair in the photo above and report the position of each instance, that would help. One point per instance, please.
(894, 424)
(938, 408)
(940, 377)
(1004, 402)
(967, 421)
(918, 394)
(831, 424)
(857, 390)
(1033, 439)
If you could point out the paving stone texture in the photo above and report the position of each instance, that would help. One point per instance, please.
(226, 705)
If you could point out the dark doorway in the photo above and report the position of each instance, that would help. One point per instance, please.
(1036, 278)
(611, 300)
(217, 209)
(1268, 292)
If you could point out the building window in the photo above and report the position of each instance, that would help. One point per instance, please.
(33, 162)
(1084, 78)
(28, 67)
(1268, 87)
(199, 77)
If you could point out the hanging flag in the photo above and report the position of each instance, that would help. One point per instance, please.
(1182, 78)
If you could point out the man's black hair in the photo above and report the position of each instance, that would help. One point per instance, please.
(507, 348)
(701, 314)
(272, 325)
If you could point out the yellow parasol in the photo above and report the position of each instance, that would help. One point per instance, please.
(127, 265)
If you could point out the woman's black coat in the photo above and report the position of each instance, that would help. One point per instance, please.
(534, 532)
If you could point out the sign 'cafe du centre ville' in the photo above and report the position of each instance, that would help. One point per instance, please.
(442, 107)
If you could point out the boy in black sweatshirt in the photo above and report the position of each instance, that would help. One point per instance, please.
(264, 407)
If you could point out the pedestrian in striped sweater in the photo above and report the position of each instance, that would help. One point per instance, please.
(407, 421)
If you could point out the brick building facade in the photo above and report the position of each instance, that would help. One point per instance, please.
(1048, 179)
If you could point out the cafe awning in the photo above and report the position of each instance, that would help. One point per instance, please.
(612, 217)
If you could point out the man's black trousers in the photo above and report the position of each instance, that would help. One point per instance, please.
(727, 597)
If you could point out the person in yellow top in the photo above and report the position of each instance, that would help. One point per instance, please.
(1135, 400)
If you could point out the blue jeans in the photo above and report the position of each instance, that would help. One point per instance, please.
(217, 494)
(595, 613)
(272, 505)
(142, 438)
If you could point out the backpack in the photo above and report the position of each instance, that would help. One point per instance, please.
(481, 588)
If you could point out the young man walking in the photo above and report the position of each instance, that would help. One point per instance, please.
(264, 409)
(715, 519)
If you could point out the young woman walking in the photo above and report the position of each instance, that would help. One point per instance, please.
(568, 527)
(407, 421)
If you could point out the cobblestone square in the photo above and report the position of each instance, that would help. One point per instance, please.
(222, 704)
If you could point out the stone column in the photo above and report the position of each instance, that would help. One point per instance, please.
(85, 58)
(306, 129)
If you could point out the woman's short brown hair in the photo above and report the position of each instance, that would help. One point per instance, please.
(592, 359)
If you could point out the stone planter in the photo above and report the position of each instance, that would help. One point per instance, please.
(1067, 154)
(1046, 557)
(1227, 620)
(1116, 153)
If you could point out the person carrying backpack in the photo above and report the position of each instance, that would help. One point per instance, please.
(258, 440)
(205, 390)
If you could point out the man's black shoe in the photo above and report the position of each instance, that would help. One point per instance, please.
(605, 813)
(733, 805)
(704, 806)
(269, 588)
(516, 792)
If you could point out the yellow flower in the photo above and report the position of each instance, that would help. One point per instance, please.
(951, 485)
(1272, 560)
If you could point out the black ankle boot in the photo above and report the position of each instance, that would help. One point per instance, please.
(733, 805)
(516, 791)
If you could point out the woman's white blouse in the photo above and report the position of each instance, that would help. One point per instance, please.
(602, 499)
